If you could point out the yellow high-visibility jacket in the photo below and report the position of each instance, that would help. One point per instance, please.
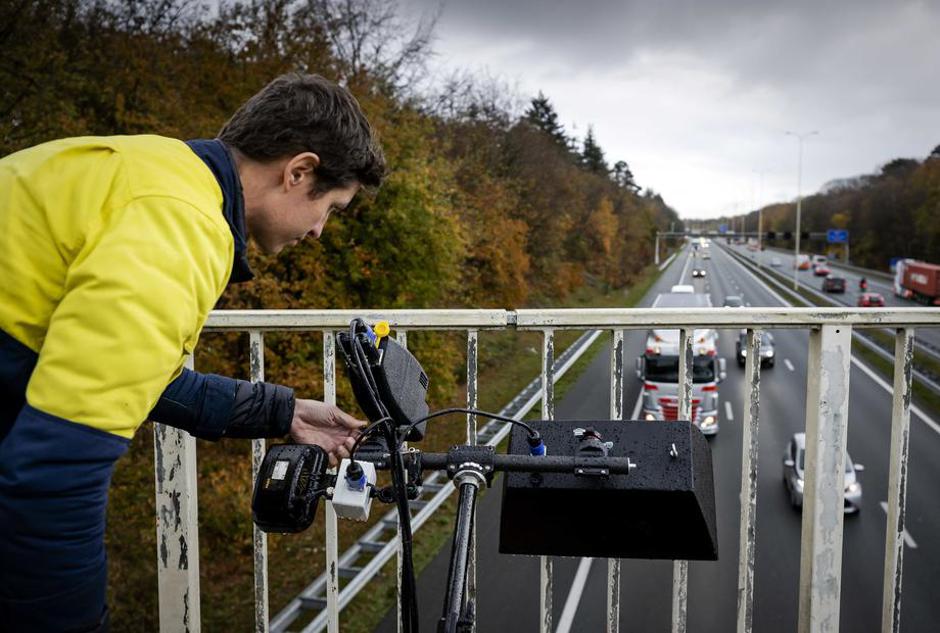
(113, 250)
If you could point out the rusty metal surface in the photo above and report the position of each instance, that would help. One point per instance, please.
(177, 528)
(827, 409)
(748, 529)
(897, 480)
(259, 538)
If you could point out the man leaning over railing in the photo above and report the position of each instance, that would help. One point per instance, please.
(113, 250)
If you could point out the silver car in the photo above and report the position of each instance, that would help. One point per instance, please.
(793, 476)
(768, 353)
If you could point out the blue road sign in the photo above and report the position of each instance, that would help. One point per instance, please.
(722, 228)
(837, 236)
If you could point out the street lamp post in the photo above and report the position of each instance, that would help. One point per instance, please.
(799, 200)
(760, 219)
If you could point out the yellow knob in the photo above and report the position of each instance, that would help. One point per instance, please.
(381, 329)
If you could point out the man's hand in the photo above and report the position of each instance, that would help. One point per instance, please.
(325, 425)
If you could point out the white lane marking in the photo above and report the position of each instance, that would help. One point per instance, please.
(685, 268)
(574, 596)
(878, 381)
(637, 407)
(907, 537)
(786, 361)
(729, 414)
(668, 261)
(914, 408)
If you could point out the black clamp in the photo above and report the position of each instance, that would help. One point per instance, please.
(480, 460)
(590, 457)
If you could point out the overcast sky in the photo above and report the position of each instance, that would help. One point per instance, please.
(697, 95)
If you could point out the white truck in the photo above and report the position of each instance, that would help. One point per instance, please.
(658, 368)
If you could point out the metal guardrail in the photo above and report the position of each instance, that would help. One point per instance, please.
(827, 403)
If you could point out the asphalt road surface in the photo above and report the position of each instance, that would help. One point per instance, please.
(509, 585)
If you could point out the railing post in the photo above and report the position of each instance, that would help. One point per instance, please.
(402, 337)
(827, 408)
(472, 357)
(259, 538)
(177, 528)
(548, 413)
(330, 520)
(748, 530)
(897, 480)
(680, 568)
(616, 413)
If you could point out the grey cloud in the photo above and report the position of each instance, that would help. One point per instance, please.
(731, 75)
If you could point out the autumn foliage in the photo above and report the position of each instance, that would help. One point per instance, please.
(483, 208)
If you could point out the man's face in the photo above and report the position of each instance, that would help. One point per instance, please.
(283, 212)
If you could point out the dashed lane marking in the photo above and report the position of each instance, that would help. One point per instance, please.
(786, 361)
(729, 414)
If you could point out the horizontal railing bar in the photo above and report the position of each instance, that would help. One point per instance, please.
(372, 546)
(594, 318)
(727, 318)
(266, 320)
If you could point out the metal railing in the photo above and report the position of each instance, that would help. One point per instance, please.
(827, 404)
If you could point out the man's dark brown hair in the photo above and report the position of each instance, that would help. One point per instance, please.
(298, 113)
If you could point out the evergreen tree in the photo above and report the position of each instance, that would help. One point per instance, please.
(592, 156)
(624, 177)
(935, 153)
(541, 113)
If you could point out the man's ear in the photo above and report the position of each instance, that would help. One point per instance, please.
(299, 170)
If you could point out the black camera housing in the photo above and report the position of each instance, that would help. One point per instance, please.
(400, 381)
(290, 482)
(664, 509)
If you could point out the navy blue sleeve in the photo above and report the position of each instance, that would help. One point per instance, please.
(209, 406)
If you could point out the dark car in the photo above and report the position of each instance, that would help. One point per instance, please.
(833, 284)
(767, 350)
(733, 301)
(698, 272)
(871, 300)
(794, 477)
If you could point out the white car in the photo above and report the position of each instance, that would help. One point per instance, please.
(776, 263)
(683, 289)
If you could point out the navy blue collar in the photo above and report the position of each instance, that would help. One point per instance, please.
(220, 161)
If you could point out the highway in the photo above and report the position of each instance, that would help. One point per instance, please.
(929, 337)
(508, 585)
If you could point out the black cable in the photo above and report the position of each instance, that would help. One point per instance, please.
(369, 430)
(485, 414)
(409, 589)
(365, 371)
